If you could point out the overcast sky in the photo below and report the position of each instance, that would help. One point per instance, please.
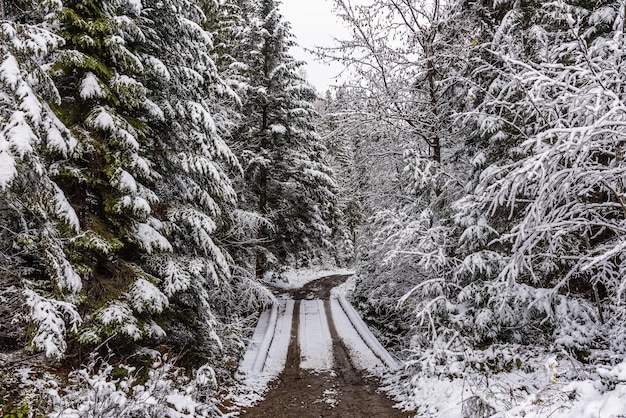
(314, 24)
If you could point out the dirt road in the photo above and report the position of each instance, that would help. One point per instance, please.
(341, 391)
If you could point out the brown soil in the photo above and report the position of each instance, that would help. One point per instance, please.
(343, 392)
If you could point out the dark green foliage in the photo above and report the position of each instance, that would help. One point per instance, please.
(286, 179)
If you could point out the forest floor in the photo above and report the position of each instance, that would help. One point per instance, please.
(342, 390)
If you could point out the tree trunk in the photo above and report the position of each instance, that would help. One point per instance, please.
(596, 297)
(261, 256)
(1, 9)
(435, 142)
(262, 235)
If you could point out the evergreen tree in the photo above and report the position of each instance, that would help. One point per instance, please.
(339, 140)
(99, 73)
(197, 199)
(39, 287)
(143, 165)
(155, 185)
(287, 180)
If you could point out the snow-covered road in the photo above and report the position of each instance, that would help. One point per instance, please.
(319, 355)
(267, 351)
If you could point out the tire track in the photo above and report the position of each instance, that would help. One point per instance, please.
(341, 392)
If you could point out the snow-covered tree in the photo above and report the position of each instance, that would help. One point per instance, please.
(197, 199)
(514, 235)
(401, 111)
(555, 197)
(39, 286)
(340, 140)
(100, 74)
(287, 180)
(141, 159)
(517, 261)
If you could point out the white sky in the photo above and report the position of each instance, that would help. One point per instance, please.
(313, 23)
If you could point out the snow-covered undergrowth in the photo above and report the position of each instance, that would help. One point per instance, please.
(344, 289)
(107, 390)
(513, 382)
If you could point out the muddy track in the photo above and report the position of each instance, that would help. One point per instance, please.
(317, 289)
(342, 392)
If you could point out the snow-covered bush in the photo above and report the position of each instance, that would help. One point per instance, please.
(556, 198)
(514, 241)
(152, 386)
(27, 391)
(104, 390)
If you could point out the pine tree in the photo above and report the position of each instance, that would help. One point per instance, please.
(39, 287)
(143, 165)
(287, 180)
(339, 140)
(100, 75)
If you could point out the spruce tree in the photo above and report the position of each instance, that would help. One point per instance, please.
(99, 74)
(286, 179)
(196, 196)
(39, 287)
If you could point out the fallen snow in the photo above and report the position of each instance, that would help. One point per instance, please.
(277, 354)
(537, 391)
(252, 350)
(329, 397)
(316, 346)
(366, 335)
(279, 330)
(266, 353)
(344, 289)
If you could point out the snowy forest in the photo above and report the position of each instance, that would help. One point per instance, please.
(159, 159)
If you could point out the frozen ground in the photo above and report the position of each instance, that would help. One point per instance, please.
(266, 353)
(267, 350)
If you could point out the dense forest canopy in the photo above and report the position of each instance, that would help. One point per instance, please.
(158, 159)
